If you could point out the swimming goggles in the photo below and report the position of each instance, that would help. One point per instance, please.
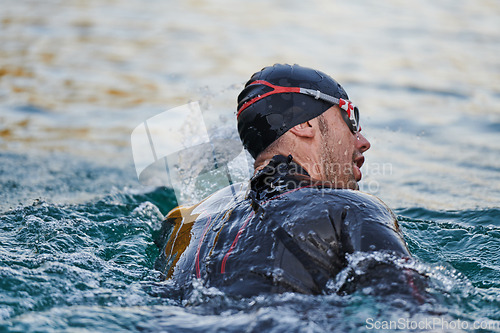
(351, 110)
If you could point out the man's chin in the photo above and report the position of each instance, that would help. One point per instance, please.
(350, 184)
(356, 173)
(353, 185)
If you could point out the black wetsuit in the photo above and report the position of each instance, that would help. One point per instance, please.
(283, 231)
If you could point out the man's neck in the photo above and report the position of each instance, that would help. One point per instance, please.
(281, 159)
(312, 168)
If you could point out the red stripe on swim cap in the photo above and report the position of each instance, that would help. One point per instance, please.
(277, 90)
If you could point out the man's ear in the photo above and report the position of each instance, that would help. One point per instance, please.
(305, 130)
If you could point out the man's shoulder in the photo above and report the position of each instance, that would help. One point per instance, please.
(301, 192)
(320, 198)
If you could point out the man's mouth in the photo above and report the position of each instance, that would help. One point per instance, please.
(358, 163)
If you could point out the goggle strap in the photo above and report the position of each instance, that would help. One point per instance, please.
(347, 106)
(277, 90)
(344, 105)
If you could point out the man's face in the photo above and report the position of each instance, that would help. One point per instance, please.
(341, 150)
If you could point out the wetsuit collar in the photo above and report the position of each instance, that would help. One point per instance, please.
(279, 175)
(283, 165)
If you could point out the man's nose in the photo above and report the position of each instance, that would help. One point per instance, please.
(362, 143)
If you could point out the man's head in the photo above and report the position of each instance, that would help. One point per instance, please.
(303, 112)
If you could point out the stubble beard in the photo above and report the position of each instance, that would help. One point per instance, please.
(342, 176)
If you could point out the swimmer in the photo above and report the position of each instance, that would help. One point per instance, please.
(291, 226)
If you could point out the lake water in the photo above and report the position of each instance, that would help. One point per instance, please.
(76, 78)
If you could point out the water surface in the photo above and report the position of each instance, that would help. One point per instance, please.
(77, 228)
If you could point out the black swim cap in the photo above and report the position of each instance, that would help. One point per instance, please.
(265, 112)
